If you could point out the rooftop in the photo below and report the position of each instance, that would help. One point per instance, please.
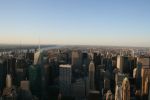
(65, 66)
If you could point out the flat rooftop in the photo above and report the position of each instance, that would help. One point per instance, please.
(65, 66)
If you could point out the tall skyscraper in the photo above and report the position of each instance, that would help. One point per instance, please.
(125, 89)
(24, 92)
(91, 76)
(9, 91)
(2, 74)
(120, 63)
(37, 57)
(84, 61)
(65, 73)
(35, 80)
(123, 64)
(75, 57)
(118, 92)
(145, 72)
(79, 89)
(8, 81)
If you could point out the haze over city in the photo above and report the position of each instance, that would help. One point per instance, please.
(84, 22)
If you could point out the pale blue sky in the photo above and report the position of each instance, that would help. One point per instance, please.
(94, 22)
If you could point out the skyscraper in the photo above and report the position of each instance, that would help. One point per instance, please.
(9, 91)
(65, 73)
(145, 72)
(109, 95)
(24, 91)
(118, 92)
(123, 64)
(120, 63)
(75, 57)
(125, 89)
(91, 76)
(37, 57)
(8, 81)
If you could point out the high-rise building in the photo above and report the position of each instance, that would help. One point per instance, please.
(106, 84)
(149, 93)
(75, 57)
(120, 63)
(35, 80)
(119, 78)
(145, 72)
(24, 92)
(109, 95)
(124, 64)
(37, 57)
(118, 92)
(8, 81)
(84, 58)
(145, 61)
(45, 82)
(9, 91)
(125, 89)
(91, 76)
(84, 62)
(94, 95)
(24, 85)
(65, 74)
(80, 89)
(135, 73)
(2, 74)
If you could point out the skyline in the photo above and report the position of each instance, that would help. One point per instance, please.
(117, 23)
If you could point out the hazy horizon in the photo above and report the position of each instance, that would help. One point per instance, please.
(75, 22)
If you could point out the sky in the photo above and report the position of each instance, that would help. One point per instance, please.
(84, 22)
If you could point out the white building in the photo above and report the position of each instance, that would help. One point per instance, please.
(91, 76)
(120, 63)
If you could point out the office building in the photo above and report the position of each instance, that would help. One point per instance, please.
(106, 84)
(9, 91)
(145, 72)
(119, 78)
(24, 92)
(24, 85)
(109, 95)
(80, 89)
(118, 92)
(123, 64)
(125, 89)
(94, 95)
(8, 81)
(37, 57)
(75, 58)
(91, 76)
(65, 74)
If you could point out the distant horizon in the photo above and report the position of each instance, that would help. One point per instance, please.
(73, 22)
(18, 45)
